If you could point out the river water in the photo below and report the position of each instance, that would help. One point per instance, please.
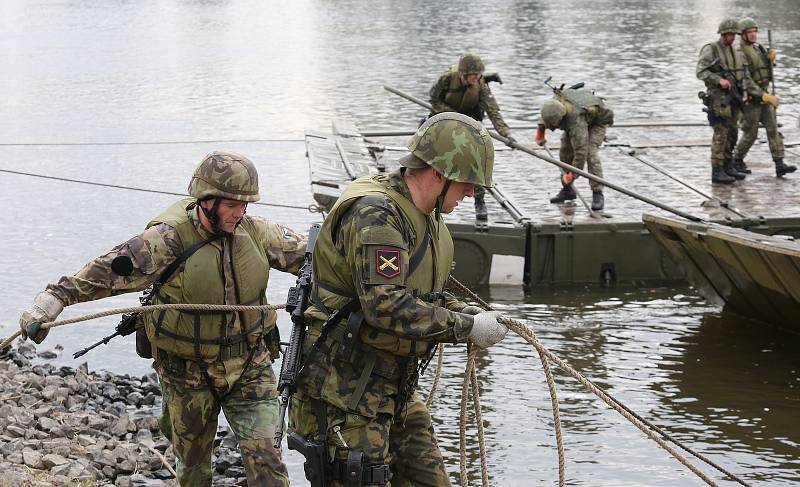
(89, 87)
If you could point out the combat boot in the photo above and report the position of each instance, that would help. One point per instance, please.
(598, 202)
(740, 166)
(727, 166)
(718, 175)
(567, 193)
(781, 168)
(480, 209)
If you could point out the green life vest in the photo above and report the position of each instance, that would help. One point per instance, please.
(728, 60)
(759, 64)
(366, 374)
(198, 334)
(463, 98)
(584, 101)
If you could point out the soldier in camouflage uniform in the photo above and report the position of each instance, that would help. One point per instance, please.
(583, 117)
(464, 89)
(762, 106)
(724, 110)
(206, 361)
(381, 260)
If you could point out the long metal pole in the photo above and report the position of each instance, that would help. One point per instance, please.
(632, 153)
(401, 133)
(563, 165)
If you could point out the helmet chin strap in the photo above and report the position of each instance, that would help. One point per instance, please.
(440, 201)
(213, 217)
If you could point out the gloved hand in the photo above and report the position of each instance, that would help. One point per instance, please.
(45, 308)
(540, 140)
(772, 100)
(472, 310)
(510, 141)
(486, 331)
(772, 55)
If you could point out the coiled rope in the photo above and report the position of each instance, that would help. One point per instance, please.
(652, 431)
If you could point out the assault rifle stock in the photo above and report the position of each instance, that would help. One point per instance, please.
(296, 304)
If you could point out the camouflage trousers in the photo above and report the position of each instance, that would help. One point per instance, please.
(409, 448)
(191, 414)
(566, 153)
(726, 132)
(753, 113)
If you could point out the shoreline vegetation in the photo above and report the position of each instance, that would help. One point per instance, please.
(64, 426)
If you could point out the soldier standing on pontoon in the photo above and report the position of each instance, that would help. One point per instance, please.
(464, 89)
(762, 106)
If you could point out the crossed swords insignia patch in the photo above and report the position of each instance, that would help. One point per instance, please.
(387, 262)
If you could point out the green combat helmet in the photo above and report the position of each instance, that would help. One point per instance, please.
(551, 113)
(729, 26)
(456, 145)
(470, 64)
(747, 23)
(225, 175)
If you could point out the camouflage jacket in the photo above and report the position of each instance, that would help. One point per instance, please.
(153, 250)
(714, 58)
(387, 305)
(486, 102)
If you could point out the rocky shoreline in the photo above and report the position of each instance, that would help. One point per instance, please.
(71, 427)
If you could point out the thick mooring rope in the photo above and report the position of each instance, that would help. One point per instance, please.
(652, 431)
(151, 307)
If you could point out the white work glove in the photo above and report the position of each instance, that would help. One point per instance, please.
(486, 331)
(472, 310)
(45, 309)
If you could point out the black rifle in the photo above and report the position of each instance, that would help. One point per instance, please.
(735, 93)
(296, 304)
(127, 324)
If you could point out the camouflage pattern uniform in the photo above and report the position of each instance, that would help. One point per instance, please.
(248, 389)
(724, 119)
(756, 110)
(449, 87)
(584, 130)
(363, 393)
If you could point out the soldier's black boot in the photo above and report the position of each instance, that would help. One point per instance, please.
(781, 168)
(567, 193)
(718, 175)
(598, 202)
(480, 209)
(740, 166)
(727, 166)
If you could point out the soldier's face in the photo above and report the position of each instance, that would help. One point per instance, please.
(750, 35)
(471, 79)
(230, 212)
(727, 39)
(456, 193)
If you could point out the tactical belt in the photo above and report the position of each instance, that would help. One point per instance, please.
(351, 473)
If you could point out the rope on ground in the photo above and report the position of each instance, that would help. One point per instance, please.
(151, 307)
(312, 208)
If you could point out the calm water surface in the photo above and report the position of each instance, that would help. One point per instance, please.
(95, 72)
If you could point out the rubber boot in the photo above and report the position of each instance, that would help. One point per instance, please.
(567, 193)
(480, 208)
(598, 202)
(740, 166)
(781, 168)
(718, 175)
(727, 166)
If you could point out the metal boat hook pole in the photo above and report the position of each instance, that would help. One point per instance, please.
(562, 165)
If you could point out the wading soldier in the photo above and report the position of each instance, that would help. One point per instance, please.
(761, 108)
(380, 265)
(205, 360)
(725, 74)
(464, 89)
(583, 117)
